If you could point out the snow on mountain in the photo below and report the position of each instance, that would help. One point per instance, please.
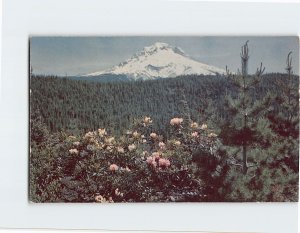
(159, 61)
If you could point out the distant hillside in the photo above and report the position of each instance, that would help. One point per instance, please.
(75, 105)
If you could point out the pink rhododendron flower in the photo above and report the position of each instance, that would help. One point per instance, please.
(154, 164)
(161, 145)
(176, 121)
(73, 151)
(164, 162)
(149, 160)
(194, 134)
(99, 198)
(153, 135)
(113, 167)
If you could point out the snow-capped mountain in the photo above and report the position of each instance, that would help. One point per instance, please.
(159, 61)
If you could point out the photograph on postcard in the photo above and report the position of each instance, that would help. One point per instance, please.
(164, 119)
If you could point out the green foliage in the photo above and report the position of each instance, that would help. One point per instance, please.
(78, 106)
(131, 168)
(114, 106)
(261, 140)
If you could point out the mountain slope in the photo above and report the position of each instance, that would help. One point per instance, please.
(159, 61)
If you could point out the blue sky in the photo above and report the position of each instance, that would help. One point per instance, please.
(81, 55)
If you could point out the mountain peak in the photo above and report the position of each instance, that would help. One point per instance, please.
(159, 60)
(160, 46)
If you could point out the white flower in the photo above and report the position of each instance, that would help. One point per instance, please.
(177, 143)
(131, 147)
(102, 132)
(110, 140)
(144, 153)
(212, 135)
(135, 134)
(203, 126)
(194, 125)
(76, 143)
(88, 135)
(147, 120)
(120, 149)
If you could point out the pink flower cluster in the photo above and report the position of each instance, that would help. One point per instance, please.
(155, 161)
(113, 167)
(164, 162)
(195, 134)
(151, 161)
(73, 151)
(162, 145)
(176, 121)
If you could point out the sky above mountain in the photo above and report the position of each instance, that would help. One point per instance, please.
(82, 55)
(160, 60)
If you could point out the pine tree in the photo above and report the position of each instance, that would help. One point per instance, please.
(247, 129)
(285, 121)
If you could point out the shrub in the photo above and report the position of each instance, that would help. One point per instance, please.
(139, 166)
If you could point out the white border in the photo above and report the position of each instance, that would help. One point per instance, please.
(90, 17)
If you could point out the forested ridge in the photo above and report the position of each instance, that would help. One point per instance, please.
(66, 104)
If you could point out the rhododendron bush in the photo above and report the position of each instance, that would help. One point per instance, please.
(139, 166)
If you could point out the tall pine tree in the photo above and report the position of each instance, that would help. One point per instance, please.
(285, 119)
(247, 129)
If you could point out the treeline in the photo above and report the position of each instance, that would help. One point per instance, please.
(79, 106)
